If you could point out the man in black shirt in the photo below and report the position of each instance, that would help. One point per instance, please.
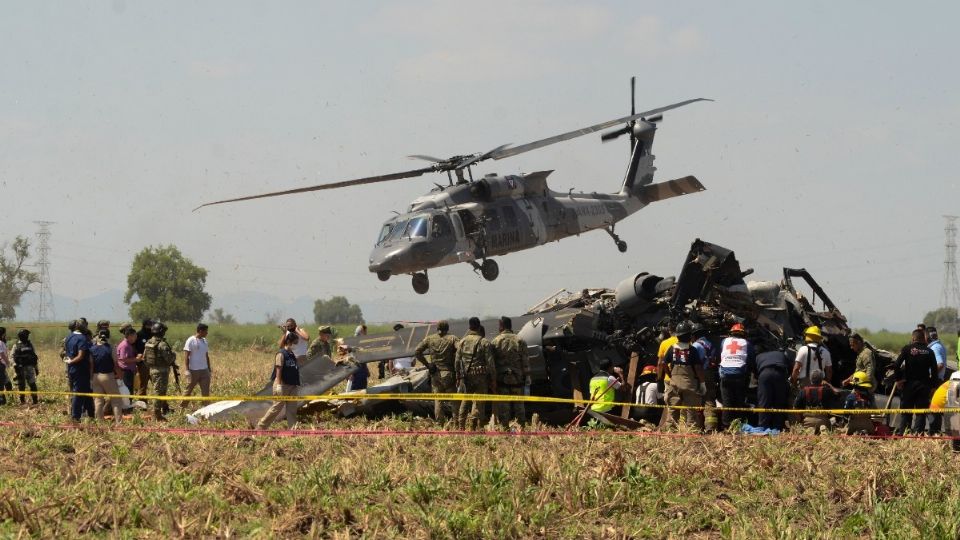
(916, 370)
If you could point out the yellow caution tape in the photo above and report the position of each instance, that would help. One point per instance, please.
(471, 397)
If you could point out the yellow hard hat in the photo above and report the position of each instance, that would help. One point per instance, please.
(862, 380)
(813, 332)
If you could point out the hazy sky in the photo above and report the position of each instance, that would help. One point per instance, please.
(831, 145)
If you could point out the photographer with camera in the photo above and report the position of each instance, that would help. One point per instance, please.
(303, 339)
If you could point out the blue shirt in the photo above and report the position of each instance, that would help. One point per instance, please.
(707, 352)
(940, 352)
(289, 368)
(360, 376)
(102, 358)
(75, 343)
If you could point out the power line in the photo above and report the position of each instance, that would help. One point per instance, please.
(45, 302)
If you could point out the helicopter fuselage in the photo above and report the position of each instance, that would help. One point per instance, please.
(493, 216)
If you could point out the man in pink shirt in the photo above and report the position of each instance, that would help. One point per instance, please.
(127, 357)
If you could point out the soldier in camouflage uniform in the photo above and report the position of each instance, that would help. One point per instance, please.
(513, 372)
(476, 374)
(25, 363)
(321, 345)
(442, 348)
(159, 357)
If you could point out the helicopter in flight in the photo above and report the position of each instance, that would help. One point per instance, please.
(473, 220)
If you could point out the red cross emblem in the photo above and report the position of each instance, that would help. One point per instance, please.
(733, 347)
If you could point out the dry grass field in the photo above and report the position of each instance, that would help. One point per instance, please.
(135, 484)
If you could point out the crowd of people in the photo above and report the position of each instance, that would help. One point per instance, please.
(702, 378)
(696, 372)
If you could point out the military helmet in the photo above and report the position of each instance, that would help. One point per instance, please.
(23, 334)
(158, 328)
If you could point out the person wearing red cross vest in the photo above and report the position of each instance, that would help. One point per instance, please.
(812, 355)
(737, 362)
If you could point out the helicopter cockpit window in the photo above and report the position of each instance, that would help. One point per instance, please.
(396, 231)
(417, 228)
(385, 232)
(441, 226)
(492, 219)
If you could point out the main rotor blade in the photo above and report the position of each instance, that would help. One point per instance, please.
(514, 150)
(427, 158)
(333, 185)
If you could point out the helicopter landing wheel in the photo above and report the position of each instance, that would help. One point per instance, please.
(383, 275)
(622, 246)
(489, 270)
(421, 283)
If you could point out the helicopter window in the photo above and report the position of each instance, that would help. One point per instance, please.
(441, 226)
(417, 228)
(492, 218)
(509, 216)
(397, 230)
(385, 232)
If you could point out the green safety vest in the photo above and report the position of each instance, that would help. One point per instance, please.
(601, 391)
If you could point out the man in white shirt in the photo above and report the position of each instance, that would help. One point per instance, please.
(198, 362)
(300, 347)
(812, 356)
(402, 365)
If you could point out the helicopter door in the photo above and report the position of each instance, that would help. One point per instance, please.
(538, 230)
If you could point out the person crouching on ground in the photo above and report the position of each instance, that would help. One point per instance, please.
(105, 375)
(860, 397)
(816, 395)
(286, 382)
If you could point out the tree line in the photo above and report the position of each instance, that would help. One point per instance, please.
(162, 284)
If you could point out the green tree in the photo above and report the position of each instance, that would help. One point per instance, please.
(944, 319)
(14, 279)
(167, 286)
(218, 316)
(337, 310)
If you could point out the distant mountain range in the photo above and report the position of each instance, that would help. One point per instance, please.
(247, 307)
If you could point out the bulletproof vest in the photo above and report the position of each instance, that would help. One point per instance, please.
(156, 356)
(472, 355)
(508, 352)
(24, 355)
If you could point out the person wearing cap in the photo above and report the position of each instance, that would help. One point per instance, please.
(26, 365)
(711, 374)
(143, 371)
(649, 394)
(513, 372)
(300, 349)
(321, 345)
(685, 366)
(916, 369)
(816, 396)
(604, 385)
(860, 397)
(106, 372)
(79, 371)
(737, 362)
(939, 351)
(476, 374)
(810, 356)
(442, 348)
(127, 357)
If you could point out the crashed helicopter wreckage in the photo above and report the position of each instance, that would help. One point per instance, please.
(570, 334)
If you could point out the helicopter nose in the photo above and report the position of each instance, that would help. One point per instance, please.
(384, 260)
